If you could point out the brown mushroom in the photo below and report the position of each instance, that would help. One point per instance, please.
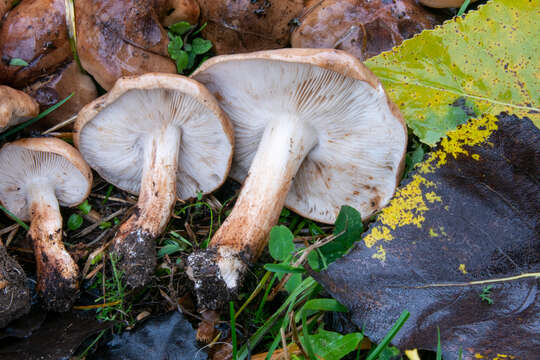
(14, 292)
(180, 10)
(15, 107)
(36, 176)
(236, 26)
(34, 31)
(51, 89)
(164, 137)
(361, 27)
(5, 5)
(314, 130)
(443, 3)
(119, 38)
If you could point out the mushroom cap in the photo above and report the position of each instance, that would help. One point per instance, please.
(121, 38)
(15, 107)
(362, 136)
(362, 28)
(179, 10)
(46, 160)
(34, 31)
(110, 132)
(236, 26)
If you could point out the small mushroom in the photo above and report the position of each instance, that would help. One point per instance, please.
(53, 88)
(119, 38)
(160, 136)
(362, 28)
(34, 31)
(14, 292)
(443, 3)
(314, 131)
(180, 10)
(36, 176)
(15, 107)
(236, 26)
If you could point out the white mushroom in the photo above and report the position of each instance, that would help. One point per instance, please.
(160, 136)
(36, 176)
(314, 131)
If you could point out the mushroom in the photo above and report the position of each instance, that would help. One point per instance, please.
(180, 10)
(160, 136)
(36, 176)
(15, 107)
(314, 130)
(51, 89)
(443, 3)
(5, 5)
(119, 38)
(236, 26)
(34, 31)
(362, 28)
(14, 292)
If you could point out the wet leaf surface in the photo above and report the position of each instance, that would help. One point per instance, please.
(458, 247)
(56, 339)
(168, 336)
(489, 58)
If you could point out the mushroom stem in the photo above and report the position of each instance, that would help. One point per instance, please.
(243, 236)
(56, 271)
(134, 243)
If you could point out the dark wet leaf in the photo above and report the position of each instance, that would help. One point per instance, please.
(24, 326)
(168, 336)
(57, 338)
(466, 219)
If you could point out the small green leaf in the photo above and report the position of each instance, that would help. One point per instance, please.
(281, 243)
(177, 54)
(293, 282)
(201, 46)
(85, 207)
(188, 47)
(284, 268)
(349, 225)
(168, 249)
(332, 345)
(180, 28)
(17, 62)
(74, 222)
(105, 225)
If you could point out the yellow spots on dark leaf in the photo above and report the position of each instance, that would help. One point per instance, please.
(463, 269)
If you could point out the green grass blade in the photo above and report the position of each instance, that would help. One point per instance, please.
(463, 7)
(389, 336)
(17, 220)
(37, 118)
(439, 350)
(233, 330)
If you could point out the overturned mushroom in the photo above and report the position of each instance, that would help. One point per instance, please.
(443, 3)
(35, 31)
(14, 292)
(314, 131)
(361, 27)
(161, 136)
(236, 26)
(15, 107)
(119, 38)
(53, 88)
(36, 176)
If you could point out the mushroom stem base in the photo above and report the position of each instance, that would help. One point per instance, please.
(217, 274)
(57, 272)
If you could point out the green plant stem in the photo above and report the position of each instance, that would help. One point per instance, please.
(255, 292)
(233, 330)
(463, 7)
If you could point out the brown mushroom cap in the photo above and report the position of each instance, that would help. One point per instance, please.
(53, 88)
(443, 3)
(5, 5)
(361, 135)
(49, 160)
(362, 28)
(120, 38)
(15, 107)
(34, 31)
(236, 26)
